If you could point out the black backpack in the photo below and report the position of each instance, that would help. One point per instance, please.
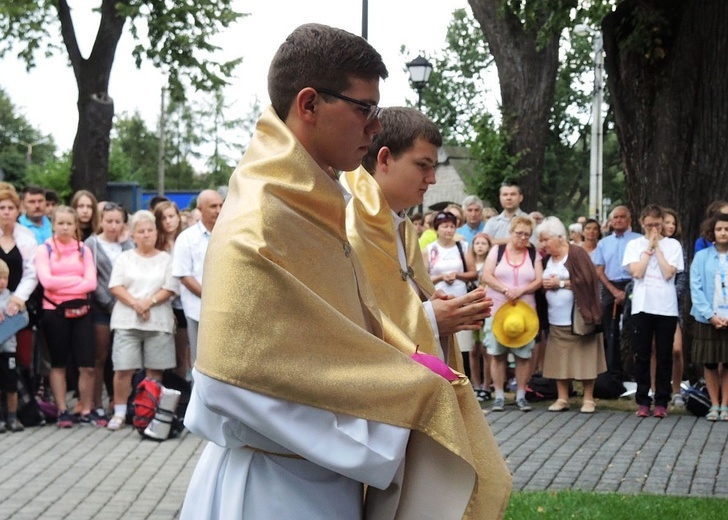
(697, 400)
(607, 386)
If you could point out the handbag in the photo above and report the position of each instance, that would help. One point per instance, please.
(579, 327)
(71, 309)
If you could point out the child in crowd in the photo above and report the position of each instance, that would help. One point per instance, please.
(67, 272)
(653, 261)
(480, 372)
(9, 325)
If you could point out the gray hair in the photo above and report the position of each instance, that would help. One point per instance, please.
(575, 228)
(140, 216)
(472, 199)
(551, 226)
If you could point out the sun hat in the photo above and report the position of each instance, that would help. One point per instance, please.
(515, 324)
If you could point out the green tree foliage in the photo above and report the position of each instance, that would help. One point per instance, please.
(175, 36)
(225, 152)
(134, 151)
(193, 131)
(53, 174)
(21, 145)
(460, 100)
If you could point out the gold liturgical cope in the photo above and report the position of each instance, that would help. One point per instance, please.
(371, 231)
(285, 307)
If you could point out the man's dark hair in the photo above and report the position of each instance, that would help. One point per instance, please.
(52, 196)
(401, 127)
(32, 189)
(417, 216)
(511, 184)
(156, 200)
(319, 56)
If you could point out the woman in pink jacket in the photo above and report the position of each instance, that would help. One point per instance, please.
(67, 272)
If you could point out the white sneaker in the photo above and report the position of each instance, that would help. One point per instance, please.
(116, 422)
(678, 401)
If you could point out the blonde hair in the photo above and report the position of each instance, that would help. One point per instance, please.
(143, 215)
(4, 269)
(10, 194)
(520, 219)
(69, 211)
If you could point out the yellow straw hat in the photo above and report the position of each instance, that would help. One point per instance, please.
(515, 324)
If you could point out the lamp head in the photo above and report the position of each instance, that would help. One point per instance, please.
(582, 30)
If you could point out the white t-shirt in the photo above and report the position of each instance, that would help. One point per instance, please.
(444, 260)
(142, 277)
(561, 301)
(112, 250)
(720, 293)
(652, 293)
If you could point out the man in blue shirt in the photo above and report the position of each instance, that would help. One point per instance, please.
(473, 208)
(34, 217)
(614, 277)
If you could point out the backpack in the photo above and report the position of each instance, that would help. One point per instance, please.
(697, 400)
(146, 401)
(29, 413)
(606, 386)
(170, 379)
(541, 388)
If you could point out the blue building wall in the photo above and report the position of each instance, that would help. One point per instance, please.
(181, 198)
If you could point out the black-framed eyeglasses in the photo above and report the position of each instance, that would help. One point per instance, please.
(371, 110)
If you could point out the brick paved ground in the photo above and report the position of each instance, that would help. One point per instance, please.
(88, 473)
(614, 452)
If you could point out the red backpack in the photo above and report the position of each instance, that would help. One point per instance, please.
(146, 401)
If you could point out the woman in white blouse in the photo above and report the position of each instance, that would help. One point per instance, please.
(142, 319)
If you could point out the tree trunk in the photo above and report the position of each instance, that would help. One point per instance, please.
(90, 161)
(527, 77)
(668, 78)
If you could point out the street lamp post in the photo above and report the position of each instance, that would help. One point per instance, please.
(419, 72)
(596, 177)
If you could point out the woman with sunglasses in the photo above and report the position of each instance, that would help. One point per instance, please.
(450, 269)
(106, 245)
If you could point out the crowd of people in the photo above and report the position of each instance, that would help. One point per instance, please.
(90, 294)
(332, 353)
(626, 279)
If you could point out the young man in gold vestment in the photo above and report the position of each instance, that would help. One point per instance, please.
(309, 397)
(395, 174)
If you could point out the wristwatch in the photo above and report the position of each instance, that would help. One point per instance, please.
(562, 284)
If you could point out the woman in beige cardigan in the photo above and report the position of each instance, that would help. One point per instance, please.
(571, 286)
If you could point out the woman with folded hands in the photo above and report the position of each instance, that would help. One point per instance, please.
(571, 285)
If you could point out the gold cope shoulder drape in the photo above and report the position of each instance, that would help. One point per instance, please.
(285, 305)
(371, 231)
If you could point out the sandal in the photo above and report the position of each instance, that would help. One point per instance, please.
(723, 413)
(713, 413)
(561, 405)
(588, 407)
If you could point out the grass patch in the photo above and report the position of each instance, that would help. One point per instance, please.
(561, 505)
